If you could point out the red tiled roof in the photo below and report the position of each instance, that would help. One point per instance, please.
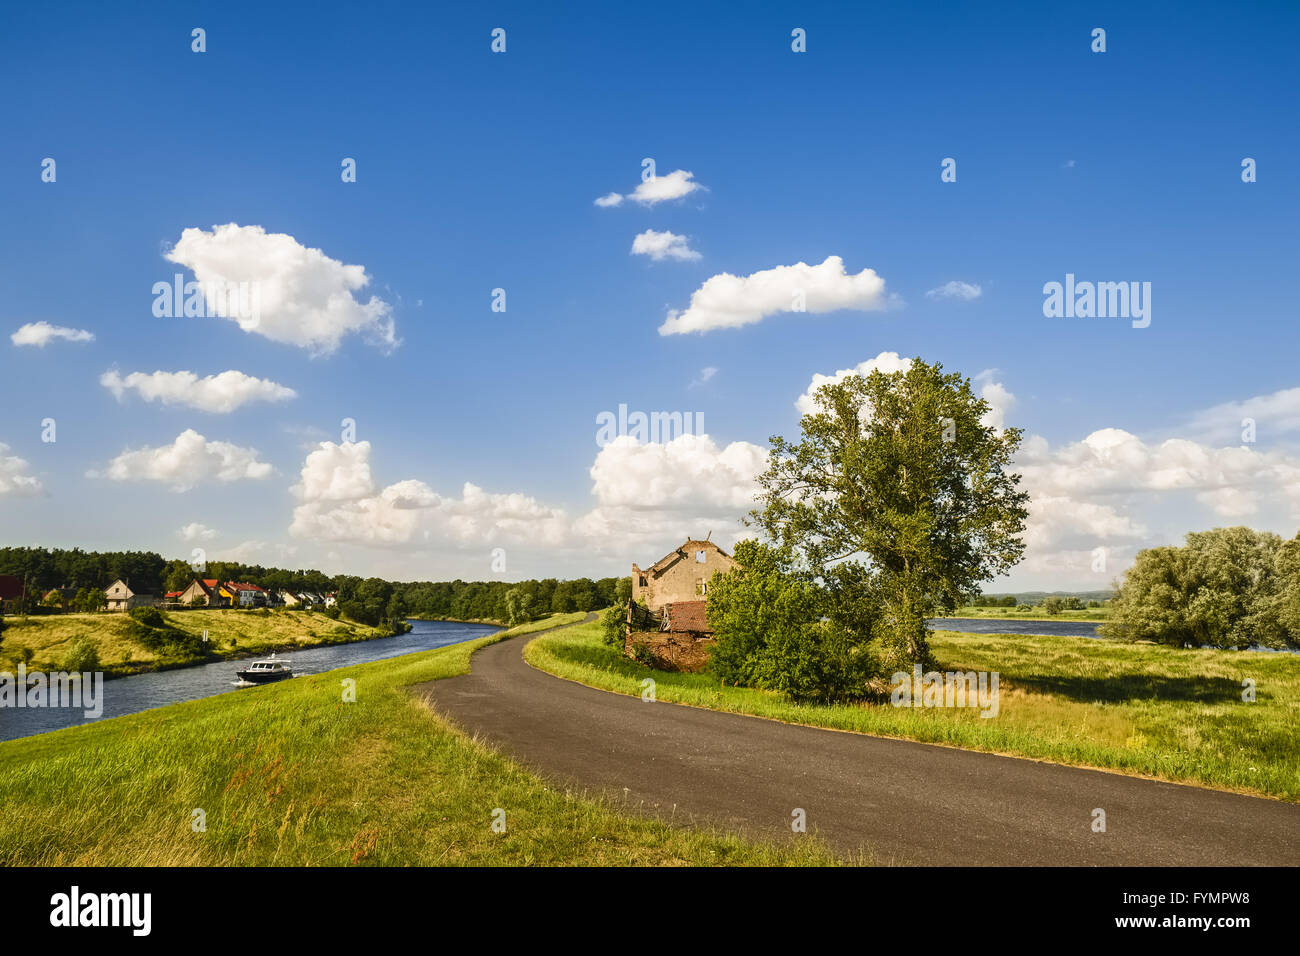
(11, 586)
(686, 617)
(236, 586)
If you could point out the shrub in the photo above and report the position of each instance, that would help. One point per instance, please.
(82, 656)
(613, 625)
(781, 631)
(150, 629)
(360, 613)
(149, 616)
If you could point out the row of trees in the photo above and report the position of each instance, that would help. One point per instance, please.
(367, 600)
(46, 568)
(1229, 587)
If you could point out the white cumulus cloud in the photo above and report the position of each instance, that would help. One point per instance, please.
(42, 333)
(224, 392)
(16, 479)
(689, 471)
(663, 245)
(656, 189)
(340, 502)
(303, 297)
(186, 462)
(1276, 413)
(965, 291)
(729, 301)
(1098, 493)
(652, 495)
(194, 531)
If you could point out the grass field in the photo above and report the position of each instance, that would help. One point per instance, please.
(1140, 709)
(289, 774)
(1035, 614)
(231, 633)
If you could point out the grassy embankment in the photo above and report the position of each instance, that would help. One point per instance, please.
(289, 774)
(1034, 614)
(231, 633)
(1138, 709)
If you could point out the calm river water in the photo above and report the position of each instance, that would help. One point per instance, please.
(985, 625)
(144, 691)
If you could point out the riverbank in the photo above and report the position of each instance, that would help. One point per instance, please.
(458, 620)
(1098, 614)
(1145, 710)
(292, 775)
(232, 634)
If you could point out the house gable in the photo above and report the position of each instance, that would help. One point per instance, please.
(682, 575)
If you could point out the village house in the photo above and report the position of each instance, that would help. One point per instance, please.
(121, 598)
(669, 599)
(205, 591)
(244, 595)
(11, 592)
(62, 598)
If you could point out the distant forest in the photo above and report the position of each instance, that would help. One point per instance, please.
(363, 599)
(1002, 599)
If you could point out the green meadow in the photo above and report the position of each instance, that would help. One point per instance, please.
(291, 774)
(1139, 709)
(231, 633)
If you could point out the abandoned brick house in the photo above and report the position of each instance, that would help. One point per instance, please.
(674, 591)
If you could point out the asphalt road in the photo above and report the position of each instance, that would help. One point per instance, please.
(895, 801)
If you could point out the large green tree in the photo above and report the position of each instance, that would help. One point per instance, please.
(900, 497)
(1228, 587)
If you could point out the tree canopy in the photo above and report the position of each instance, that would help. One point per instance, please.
(1228, 587)
(899, 497)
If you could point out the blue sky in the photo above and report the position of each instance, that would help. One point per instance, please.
(478, 171)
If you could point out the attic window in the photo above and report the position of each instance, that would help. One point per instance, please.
(700, 557)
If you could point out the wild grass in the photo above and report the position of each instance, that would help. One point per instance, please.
(290, 774)
(231, 633)
(1173, 714)
(550, 621)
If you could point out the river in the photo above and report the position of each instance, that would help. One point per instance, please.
(989, 625)
(129, 695)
